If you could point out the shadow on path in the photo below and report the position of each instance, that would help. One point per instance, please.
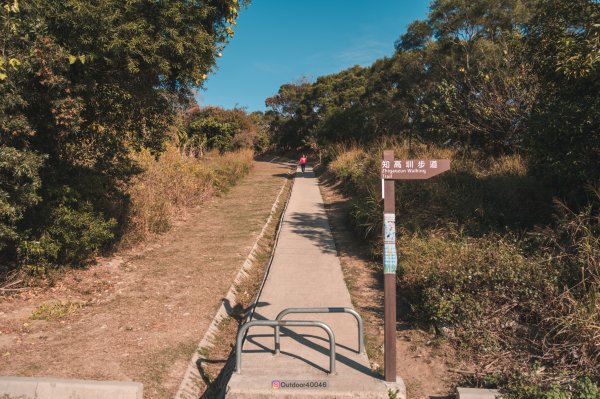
(314, 227)
(302, 339)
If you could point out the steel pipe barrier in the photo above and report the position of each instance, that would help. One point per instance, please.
(283, 313)
(283, 323)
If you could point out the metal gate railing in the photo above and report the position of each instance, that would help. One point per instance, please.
(283, 313)
(283, 323)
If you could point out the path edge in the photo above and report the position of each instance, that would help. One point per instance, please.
(188, 388)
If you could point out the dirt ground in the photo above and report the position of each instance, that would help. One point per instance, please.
(139, 315)
(422, 360)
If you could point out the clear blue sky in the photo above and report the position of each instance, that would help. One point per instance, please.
(280, 41)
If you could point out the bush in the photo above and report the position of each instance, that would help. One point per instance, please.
(73, 233)
(83, 85)
(479, 195)
(520, 387)
(72, 230)
(19, 185)
(215, 128)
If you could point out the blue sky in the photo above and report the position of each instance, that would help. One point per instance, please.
(280, 41)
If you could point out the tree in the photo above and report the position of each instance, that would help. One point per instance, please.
(217, 128)
(287, 104)
(474, 88)
(262, 139)
(82, 84)
(564, 46)
(417, 37)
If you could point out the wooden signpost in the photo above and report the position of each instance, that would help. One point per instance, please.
(393, 169)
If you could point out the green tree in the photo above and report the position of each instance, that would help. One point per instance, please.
(474, 89)
(217, 128)
(82, 84)
(262, 139)
(335, 102)
(564, 47)
(287, 122)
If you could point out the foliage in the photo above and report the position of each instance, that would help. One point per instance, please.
(262, 140)
(224, 130)
(19, 183)
(564, 46)
(312, 116)
(479, 194)
(469, 85)
(498, 77)
(74, 233)
(509, 91)
(287, 124)
(519, 387)
(82, 84)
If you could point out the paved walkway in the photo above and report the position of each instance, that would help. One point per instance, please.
(306, 272)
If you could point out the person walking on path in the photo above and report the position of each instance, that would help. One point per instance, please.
(303, 162)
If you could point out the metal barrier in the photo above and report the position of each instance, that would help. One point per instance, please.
(283, 323)
(361, 341)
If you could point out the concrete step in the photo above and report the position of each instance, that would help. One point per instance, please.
(477, 393)
(53, 388)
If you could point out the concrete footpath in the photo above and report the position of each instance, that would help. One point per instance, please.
(305, 272)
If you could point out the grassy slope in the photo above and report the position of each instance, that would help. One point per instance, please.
(174, 183)
(140, 314)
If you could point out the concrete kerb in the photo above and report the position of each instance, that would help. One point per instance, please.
(50, 388)
(250, 314)
(189, 386)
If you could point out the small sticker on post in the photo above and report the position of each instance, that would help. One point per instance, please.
(390, 259)
(389, 228)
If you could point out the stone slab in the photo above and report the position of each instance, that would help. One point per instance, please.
(55, 388)
(477, 393)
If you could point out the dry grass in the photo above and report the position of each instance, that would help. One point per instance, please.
(171, 184)
(57, 310)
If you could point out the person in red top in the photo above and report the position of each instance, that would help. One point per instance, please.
(303, 162)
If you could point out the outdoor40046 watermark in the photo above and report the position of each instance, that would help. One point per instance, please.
(298, 384)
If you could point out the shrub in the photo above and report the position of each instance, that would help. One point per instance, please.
(484, 293)
(73, 233)
(521, 387)
(19, 185)
(82, 85)
(208, 128)
(479, 195)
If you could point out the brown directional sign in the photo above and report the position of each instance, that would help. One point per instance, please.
(402, 169)
(411, 169)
